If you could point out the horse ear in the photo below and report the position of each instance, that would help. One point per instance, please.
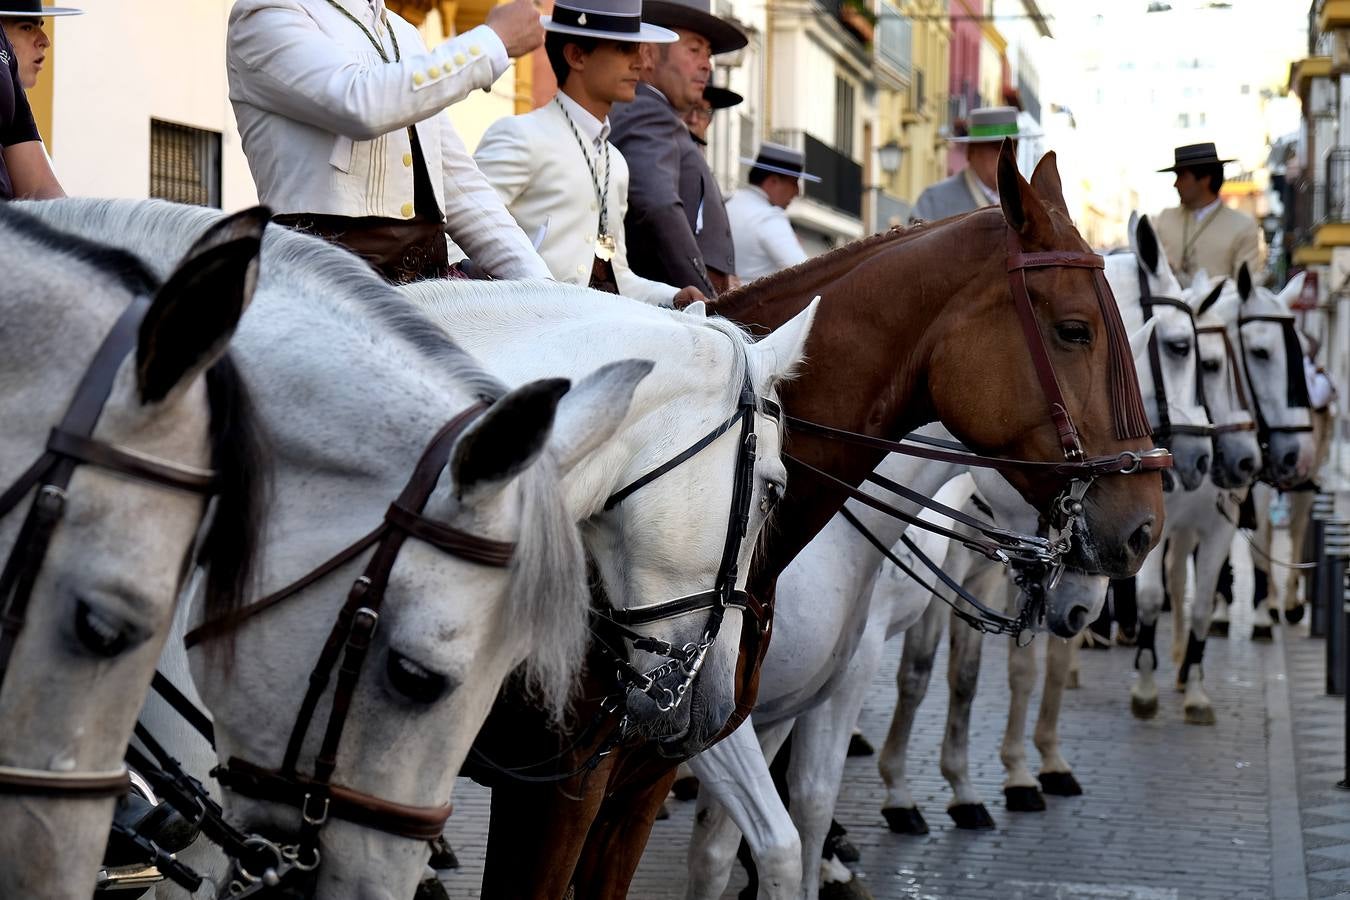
(1023, 210)
(507, 438)
(783, 348)
(594, 409)
(1139, 340)
(1244, 282)
(1045, 181)
(1145, 241)
(1292, 289)
(1210, 300)
(196, 310)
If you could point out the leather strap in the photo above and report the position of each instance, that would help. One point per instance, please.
(47, 782)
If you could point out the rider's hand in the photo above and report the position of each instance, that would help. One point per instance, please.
(688, 295)
(517, 24)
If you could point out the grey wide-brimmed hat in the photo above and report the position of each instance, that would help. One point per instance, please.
(695, 16)
(993, 123)
(721, 98)
(1193, 155)
(613, 20)
(33, 9)
(781, 161)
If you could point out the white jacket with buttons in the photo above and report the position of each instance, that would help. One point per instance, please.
(536, 165)
(324, 118)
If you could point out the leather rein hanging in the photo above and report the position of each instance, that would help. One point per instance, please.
(70, 444)
(316, 795)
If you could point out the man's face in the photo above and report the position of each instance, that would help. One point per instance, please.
(30, 45)
(610, 71)
(781, 189)
(698, 118)
(682, 69)
(983, 159)
(1190, 189)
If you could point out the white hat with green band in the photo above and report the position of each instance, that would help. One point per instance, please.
(993, 123)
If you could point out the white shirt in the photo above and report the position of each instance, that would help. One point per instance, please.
(591, 128)
(1205, 212)
(762, 234)
(323, 119)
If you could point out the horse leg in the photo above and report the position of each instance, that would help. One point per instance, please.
(1056, 776)
(916, 667)
(1174, 565)
(1263, 614)
(1223, 600)
(1021, 792)
(1212, 552)
(1148, 598)
(1073, 674)
(1300, 512)
(737, 795)
(963, 676)
(618, 837)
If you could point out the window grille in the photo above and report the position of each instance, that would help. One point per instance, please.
(184, 164)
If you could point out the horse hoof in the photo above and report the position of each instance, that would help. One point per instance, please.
(1274, 615)
(1023, 798)
(842, 849)
(1262, 632)
(853, 889)
(1143, 708)
(905, 820)
(1218, 628)
(431, 889)
(1199, 715)
(1060, 784)
(1294, 615)
(443, 857)
(970, 815)
(860, 746)
(663, 813)
(685, 788)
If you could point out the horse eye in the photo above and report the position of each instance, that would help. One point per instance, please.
(1074, 332)
(773, 495)
(416, 682)
(1210, 365)
(1179, 348)
(1261, 353)
(100, 633)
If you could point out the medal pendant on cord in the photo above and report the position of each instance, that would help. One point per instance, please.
(605, 247)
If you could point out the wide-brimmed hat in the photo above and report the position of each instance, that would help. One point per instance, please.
(695, 16)
(33, 9)
(781, 161)
(1193, 155)
(993, 123)
(614, 20)
(721, 98)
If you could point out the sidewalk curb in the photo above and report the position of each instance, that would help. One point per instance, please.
(1288, 871)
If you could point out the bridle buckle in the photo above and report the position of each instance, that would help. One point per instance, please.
(312, 818)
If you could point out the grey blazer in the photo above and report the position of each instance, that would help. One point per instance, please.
(949, 197)
(707, 211)
(661, 241)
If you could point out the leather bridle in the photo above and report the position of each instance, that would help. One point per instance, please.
(1296, 381)
(69, 445)
(724, 594)
(1236, 379)
(316, 795)
(1166, 427)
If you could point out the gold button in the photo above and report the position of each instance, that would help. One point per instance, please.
(581, 270)
(407, 210)
(476, 50)
(407, 160)
(459, 59)
(418, 78)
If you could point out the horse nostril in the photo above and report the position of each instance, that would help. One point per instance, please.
(1077, 619)
(1142, 538)
(1290, 459)
(1247, 465)
(1202, 465)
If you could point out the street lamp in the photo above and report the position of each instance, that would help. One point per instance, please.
(888, 156)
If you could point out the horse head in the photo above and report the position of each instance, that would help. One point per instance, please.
(1237, 453)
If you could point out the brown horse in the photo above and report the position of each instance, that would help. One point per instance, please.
(913, 326)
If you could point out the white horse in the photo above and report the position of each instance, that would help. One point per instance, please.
(1165, 350)
(1204, 521)
(351, 385)
(100, 606)
(668, 539)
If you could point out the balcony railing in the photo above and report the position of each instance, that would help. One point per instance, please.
(855, 15)
(1305, 211)
(894, 38)
(841, 179)
(1338, 186)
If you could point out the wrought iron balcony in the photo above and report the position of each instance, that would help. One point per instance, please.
(841, 180)
(1337, 208)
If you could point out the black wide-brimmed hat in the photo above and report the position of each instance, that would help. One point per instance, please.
(721, 98)
(613, 20)
(1193, 155)
(33, 9)
(695, 16)
(781, 161)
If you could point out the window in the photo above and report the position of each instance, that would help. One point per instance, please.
(919, 96)
(844, 94)
(1183, 120)
(184, 164)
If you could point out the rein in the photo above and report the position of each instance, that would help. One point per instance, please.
(1166, 428)
(1296, 384)
(1236, 381)
(69, 445)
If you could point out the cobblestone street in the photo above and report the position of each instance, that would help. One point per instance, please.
(1170, 811)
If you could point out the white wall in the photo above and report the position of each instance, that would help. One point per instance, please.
(125, 62)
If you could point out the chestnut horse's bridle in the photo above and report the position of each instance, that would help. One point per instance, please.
(70, 444)
(261, 866)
